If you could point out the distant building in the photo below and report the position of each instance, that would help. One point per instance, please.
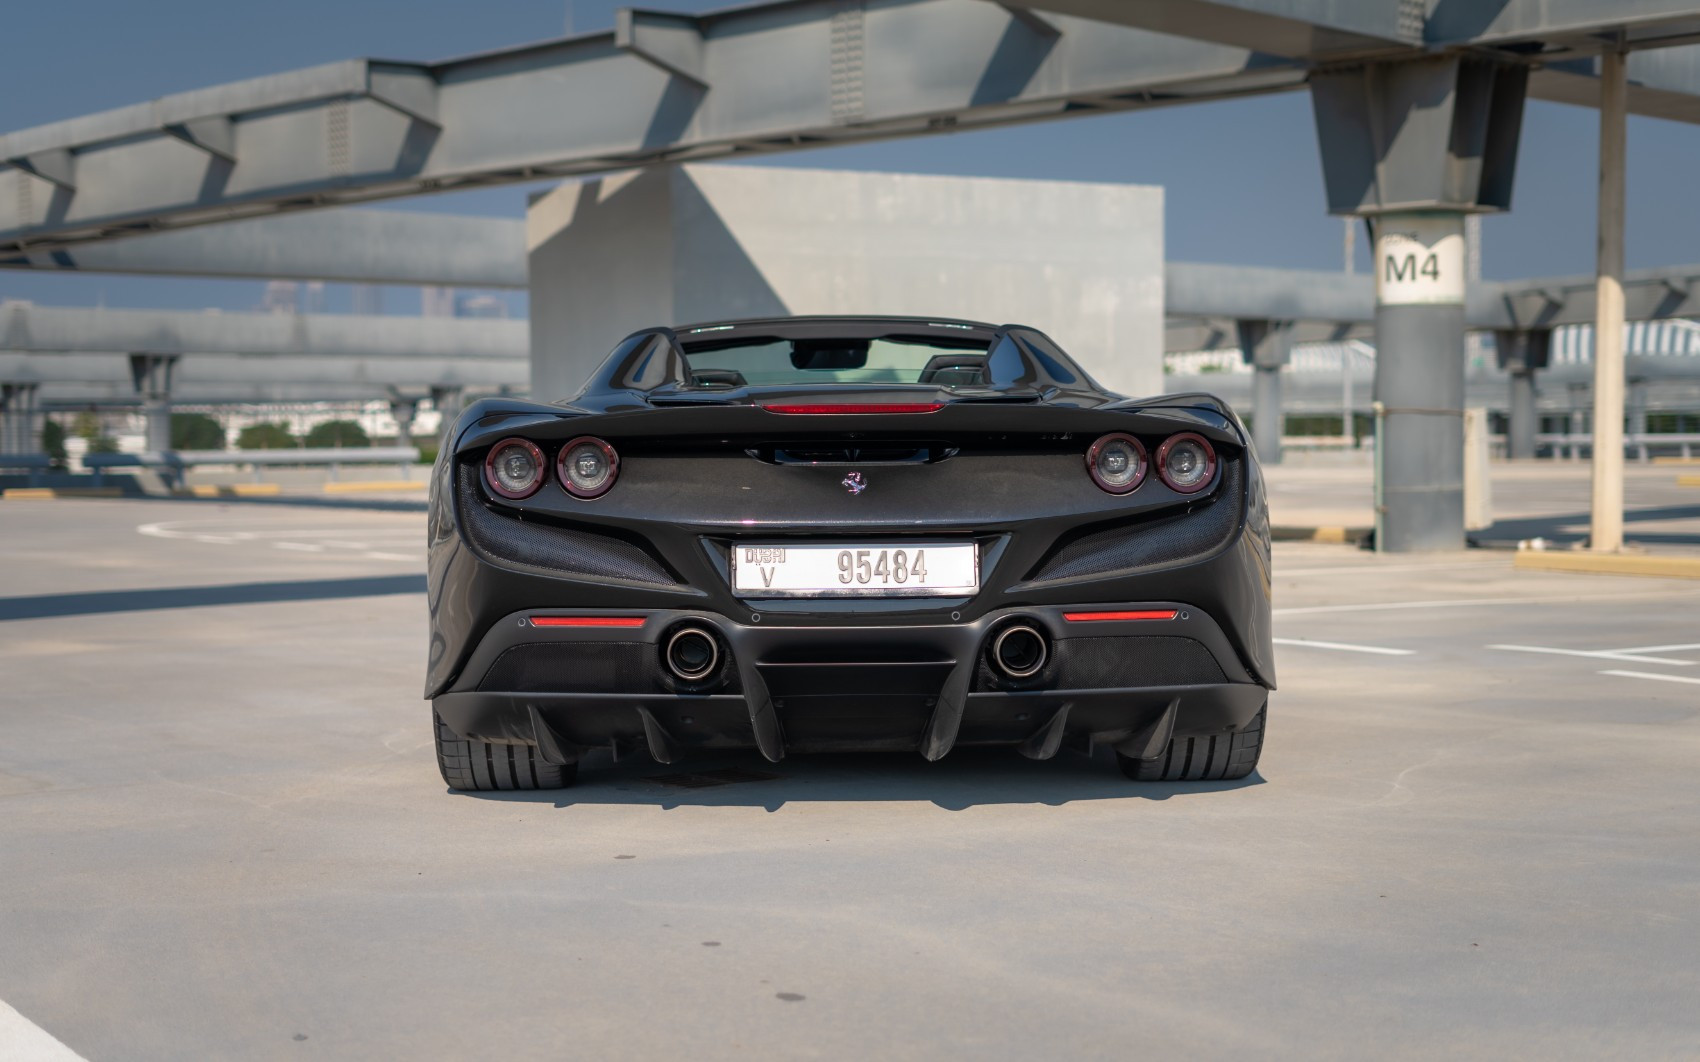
(313, 300)
(368, 299)
(282, 296)
(481, 306)
(437, 302)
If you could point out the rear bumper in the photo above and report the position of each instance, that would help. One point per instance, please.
(787, 684)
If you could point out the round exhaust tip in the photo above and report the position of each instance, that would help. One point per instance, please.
(691, 654)
(1019, 651)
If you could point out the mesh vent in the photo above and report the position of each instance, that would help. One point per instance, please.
(1153, 543)
(569, 667)
(550, 550)
(1117, 663)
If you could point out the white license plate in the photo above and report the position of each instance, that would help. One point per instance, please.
(885, 569)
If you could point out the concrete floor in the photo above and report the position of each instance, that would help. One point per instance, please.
(1548, 499)
(222, 834)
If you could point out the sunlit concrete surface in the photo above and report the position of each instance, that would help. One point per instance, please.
(222, 834)
(1530, 499)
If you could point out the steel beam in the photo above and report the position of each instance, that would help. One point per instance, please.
(25, 327)
(361, 246)
(1582, 24)
(770, 77)
(1663, 83)
(1311, 29)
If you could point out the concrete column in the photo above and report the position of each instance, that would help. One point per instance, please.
(1419, 379)
(404, 410)
(151, 374)
(1520, 439)
(448, 402)
(1607, 522)
(1638, 417)
(1266, 346)
(1522, 353)
(19, 431)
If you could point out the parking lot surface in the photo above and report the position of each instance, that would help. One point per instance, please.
(223, 834)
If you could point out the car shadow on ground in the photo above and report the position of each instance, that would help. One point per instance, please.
(966, 778)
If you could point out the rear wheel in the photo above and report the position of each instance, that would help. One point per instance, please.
(479, 765)
(1218, 757)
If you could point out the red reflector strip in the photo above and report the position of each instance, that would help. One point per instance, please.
(587, 621)
(1105, 617)
(885, 407)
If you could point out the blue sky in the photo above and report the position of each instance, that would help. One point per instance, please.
(1243, 181)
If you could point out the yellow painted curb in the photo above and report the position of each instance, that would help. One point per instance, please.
(46, 493)
(376, 484)
(1333, 534)
(1685, 461)
(1688, 481)
(234, 490)
(1608, 563)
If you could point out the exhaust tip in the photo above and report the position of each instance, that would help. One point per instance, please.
(691, 654)
(1019, 651)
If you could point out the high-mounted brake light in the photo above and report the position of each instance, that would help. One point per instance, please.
(1117, 617)
(587, 621)
(843, 407)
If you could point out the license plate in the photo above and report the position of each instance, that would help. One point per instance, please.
(883, 569)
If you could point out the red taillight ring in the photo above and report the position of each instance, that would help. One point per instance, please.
(566, 480)
(494, 484)
(1209, 462)
(1096, 448)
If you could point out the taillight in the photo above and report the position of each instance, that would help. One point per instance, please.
(587, 467)
(1186, 462)
(1117, 463)
(514, 468)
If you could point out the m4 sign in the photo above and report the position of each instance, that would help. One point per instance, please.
(1419, 259)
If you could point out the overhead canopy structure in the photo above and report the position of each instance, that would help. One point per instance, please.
(25, 327)
(767, 77)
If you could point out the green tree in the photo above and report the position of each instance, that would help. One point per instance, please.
(196, 431)
(344, 433)
(53, 441)
(271, 435)
(86, 426)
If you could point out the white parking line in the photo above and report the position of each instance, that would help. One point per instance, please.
(1651, 675)
(1659, 648)
(22, 1040)
(1345, 647)
(1481, 602)
(1596, 654)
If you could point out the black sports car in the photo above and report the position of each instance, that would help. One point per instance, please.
(810, 534)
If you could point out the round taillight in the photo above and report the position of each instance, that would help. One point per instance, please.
(1186, 462)
(514, 468)
(587, 467)
(1117, 463)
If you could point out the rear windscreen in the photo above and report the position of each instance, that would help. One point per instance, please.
(764, 361)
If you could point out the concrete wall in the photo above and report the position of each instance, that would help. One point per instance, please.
(1083, 262)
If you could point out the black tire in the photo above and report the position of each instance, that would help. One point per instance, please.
(1219, 757)
(479, 765)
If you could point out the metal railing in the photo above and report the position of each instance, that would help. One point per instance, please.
(34, 464)
(1642, 447)
(175, 462)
